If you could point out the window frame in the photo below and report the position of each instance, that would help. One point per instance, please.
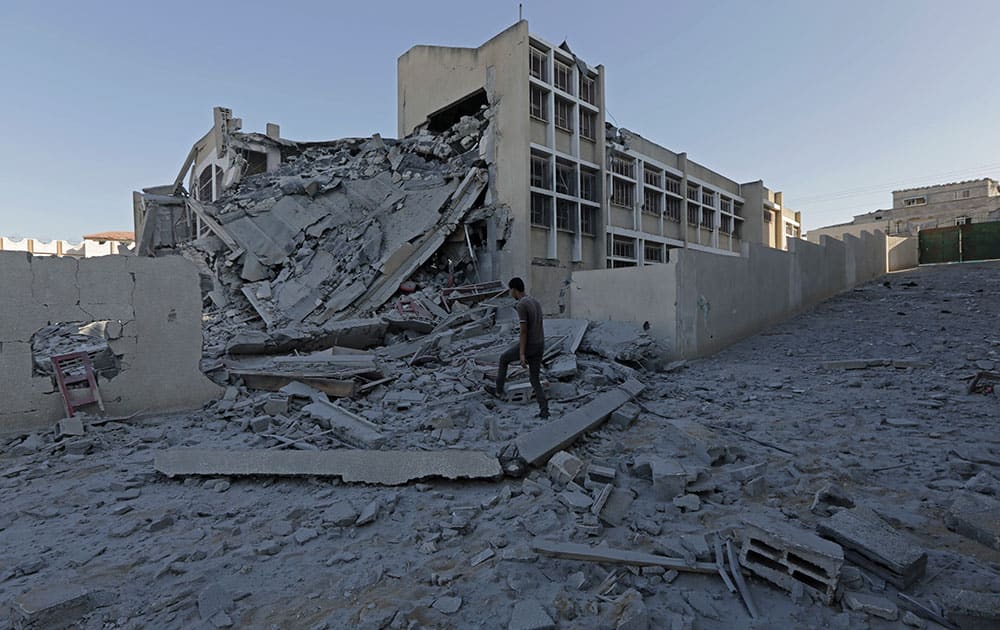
(537, 54)
(542, 113)
(616, 199)
(588, 131)
(563, 123)
(560, 68)
(546, 176)
(546, 221)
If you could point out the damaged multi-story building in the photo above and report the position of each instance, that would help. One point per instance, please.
(583, 194)
(576, 192)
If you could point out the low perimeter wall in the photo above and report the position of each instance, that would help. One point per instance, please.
(156, 304)
(699, 303)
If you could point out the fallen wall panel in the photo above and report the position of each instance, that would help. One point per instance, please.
(389, 468)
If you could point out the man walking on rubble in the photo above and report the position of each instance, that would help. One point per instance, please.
(529, 348)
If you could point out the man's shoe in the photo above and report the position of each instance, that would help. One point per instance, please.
(492, 391)
(543, 415)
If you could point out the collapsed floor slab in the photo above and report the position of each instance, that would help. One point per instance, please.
(389, 468)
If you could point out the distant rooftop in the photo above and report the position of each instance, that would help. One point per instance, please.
(113, 235)
(966, 181)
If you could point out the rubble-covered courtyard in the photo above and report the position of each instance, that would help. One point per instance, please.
(854, 421)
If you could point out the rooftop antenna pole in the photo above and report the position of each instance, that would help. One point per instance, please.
(520, 11)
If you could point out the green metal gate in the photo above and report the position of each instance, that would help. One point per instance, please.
(960, 243)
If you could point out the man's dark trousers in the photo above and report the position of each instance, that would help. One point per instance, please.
(533, 356)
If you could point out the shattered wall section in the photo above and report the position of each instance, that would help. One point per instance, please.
(158, 303)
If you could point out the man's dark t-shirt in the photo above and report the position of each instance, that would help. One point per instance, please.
(529, 313)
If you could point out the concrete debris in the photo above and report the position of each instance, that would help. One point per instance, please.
(575, 551)
(972, 610)
(56, 606)
(871, 604)
(563, 467)
(378, 467)
(528, 614)
(871, 543)
(69, 427)
(976, 516)
(619, 341)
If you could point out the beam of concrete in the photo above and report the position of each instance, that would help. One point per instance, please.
(352, 427)
(608, 555)
(538, 445)
(871, 543)
(389, 468)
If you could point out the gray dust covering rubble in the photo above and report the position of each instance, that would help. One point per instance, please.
(355, 474)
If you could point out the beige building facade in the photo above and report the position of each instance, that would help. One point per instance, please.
(914, 209)
(582, 194)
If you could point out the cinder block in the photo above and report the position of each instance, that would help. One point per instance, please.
(787, 555)
(624, 416)
(276, 405)
(69, 426)
(669, 477)
(563, 467)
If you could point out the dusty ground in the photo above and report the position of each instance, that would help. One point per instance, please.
(900, 441)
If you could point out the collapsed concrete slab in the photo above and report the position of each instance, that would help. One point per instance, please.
(873, 544)
(537, 446)
(389, 468)
(608, 555)
(976, 516)
(155, 306)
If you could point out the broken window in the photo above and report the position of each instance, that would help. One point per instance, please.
(653, 252)
(707, 218)
(540, 172)
(588, 89)
(565, 214)
(539, 64)
(71, 337)
(565, 178)
(564, 115)
(673, 209)
(623, 247)
(563, 79)
(256, 162)
(622, 192)
(652, 202)
(588, 184)
(205, 184)
(588, 125)
(588, 220)
(541, 210)
(622, 165)
(673, 185)
(539, 104)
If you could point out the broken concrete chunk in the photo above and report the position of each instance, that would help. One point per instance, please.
(56, 606)
(631, 612)
(972, 610)
(448, 605)
(68, 427)
(624, 416)
(872, 605)
(350, 426)
(576, 501)
(213, 600)
(369, 513)
(668, 476)
(976, 516)
(873, 544)
(528, 614)
(563, 467)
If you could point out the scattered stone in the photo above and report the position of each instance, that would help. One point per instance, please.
(872, 605)
(161, 524)
(631, 612)
(281, 528)
(448, 605)
(972, 610)
(56, 606)
(212, 600)
(563, 467)
(369, 513)
(68, 427)
(128, 494)
(576, 501)
(688, 502)
(482, 557)
(624, 416)
(976, 516)
(913, 621)
(304, 535)
(260, 424)
(29, 446)
(340, 514)
(529, 614)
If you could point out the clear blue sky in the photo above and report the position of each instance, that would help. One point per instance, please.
(819, 99)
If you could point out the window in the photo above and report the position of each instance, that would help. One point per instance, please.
(205, 184)
(588, 90)
(727, 205)
(693, 193)
(539, 103)
(966, 193)
(541, 207)
(588, 125)
(707, 218)
(692, 213)
(622, 192)
(767, 216)
(565, 178)
(540, 172)
(673, 209)
(565, 214)
(588, 185)
(623, 247)
(914, 201)
(539, 64)
(563, 77)
(652, 202)
(737, 229)
(673, 185)
(726, 224)
(652, 177)
(621, 165)
(652, 252)
(707, 197)
(588, 220)
(564, 115)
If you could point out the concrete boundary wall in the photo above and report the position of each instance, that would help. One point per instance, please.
(699, 303)
(155, 304)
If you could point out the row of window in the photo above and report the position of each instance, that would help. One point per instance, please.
(562, 76)
(565, 214)
(565, 177)
(563, 115)
(625, 167)
(625, 247)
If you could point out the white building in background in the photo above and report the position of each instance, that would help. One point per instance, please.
(99, 244)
